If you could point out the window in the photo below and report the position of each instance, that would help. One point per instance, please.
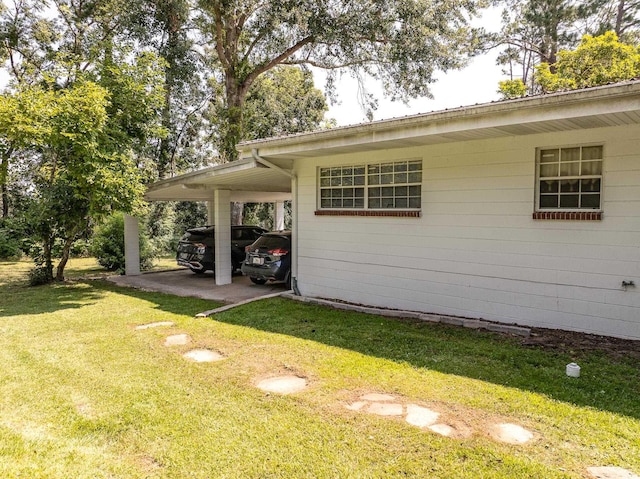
(380, 186)
(570, 178)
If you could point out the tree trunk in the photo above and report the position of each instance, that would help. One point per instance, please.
(4, 178)
(619, 17)
(66, 250)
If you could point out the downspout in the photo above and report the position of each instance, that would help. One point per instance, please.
(294, 215)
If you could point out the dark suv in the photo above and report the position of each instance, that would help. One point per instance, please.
(196, 247)
(269, 258)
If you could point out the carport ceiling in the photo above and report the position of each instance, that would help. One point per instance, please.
(248, 181)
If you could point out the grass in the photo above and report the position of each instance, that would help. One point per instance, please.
(85, 395)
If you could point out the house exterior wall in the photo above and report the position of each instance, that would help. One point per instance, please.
(476, 251)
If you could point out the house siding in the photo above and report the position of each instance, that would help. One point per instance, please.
(476, 251)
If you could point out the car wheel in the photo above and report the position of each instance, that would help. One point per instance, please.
(257, 280)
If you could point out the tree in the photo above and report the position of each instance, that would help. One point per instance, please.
(400, 43)
(596, 61)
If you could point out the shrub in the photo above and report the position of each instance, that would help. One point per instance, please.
(12, 242)
(108, 245)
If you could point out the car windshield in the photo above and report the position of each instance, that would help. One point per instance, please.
(272, 242)
(199, 234)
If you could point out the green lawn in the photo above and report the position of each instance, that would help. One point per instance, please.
(86, 395)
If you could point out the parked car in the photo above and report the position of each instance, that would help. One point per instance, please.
(269, 258)
(196, 247)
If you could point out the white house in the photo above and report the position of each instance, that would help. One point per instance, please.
(524, 211)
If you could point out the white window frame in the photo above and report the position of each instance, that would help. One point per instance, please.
(400, 179)
(579, 177)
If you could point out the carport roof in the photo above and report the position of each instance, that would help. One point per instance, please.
(249, 180)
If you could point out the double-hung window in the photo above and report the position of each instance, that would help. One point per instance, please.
(569, 178)
(379, 186)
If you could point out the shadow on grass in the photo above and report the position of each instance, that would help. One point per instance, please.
(606, 383)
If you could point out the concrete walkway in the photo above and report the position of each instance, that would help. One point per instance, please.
(184, 282)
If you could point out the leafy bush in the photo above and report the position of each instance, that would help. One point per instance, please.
(108, 245)
(12, 242)
(40, 275)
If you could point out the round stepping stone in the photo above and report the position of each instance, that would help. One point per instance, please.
(159, 324)
(511, 433)
(177, 340)
(421, 416)
(442, 429)
(356, 406)
(283, 384)
(203, 355)
(385, 409)
(377, 397)
(611, 473)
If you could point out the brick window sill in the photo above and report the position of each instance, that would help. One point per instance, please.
(568, 215)
(384, 213)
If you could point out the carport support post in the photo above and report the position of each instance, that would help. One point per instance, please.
(278, 216)
(131, 246)
(222, 221)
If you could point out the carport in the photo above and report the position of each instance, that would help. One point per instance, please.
(248, 180)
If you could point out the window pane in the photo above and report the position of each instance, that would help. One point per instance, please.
(358, 170)
(347, 181)
(402, 191)
(414, 202)
(374, 180)
(325, 182)
(358, 180)
(592, 153)
(415, 165)
(359, 203)
(387, 191)
(325, 172)
(414, 190)
(335, 171)
(549, 156)
(347, 203)
(336, 193)
(592, 168)
(591, 185)
(569, 201)
(347, 192)
(325, 193)
(359, 192)
(548, 201)
(335, 181)
(386, 168)
(569, 186)
(549, 186)
(336, 203)
(570, 169)
(387, 202)
(347, 171)
(591, 201)
(549, 169)
(374, 192)
(374, 169)
(400, 178)
(374, 203)
(570, 154)
(325, 203)
(386, 179)
(399, 167)
(401, 203)
(415, 177)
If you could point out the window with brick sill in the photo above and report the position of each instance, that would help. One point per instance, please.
(380, 189)
(569, 183)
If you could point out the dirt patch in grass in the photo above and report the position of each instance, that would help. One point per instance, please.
(576, 343)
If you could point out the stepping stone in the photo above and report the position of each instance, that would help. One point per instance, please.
(356, 406)
(159, 324)
(511, 433)
(442, 429)
(611, 473)
(421, 416)
(385, 409)
(177, 340)
(377, 397)
(203, 355)
(283, 384)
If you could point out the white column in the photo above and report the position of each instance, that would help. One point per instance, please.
(131, 246)
(222, 220)
(278, 216)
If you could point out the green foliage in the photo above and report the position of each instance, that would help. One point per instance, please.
(10, 239)
(39, 276)
(108, 245)
(512, 89)
(596, 61)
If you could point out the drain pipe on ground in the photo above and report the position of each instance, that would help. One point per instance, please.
(294, 215)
